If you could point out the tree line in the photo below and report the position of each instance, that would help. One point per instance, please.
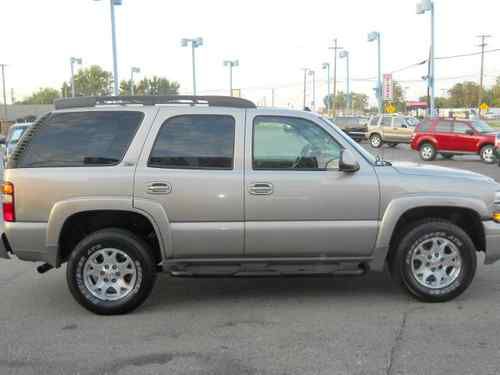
(461, 95)
(95, 81)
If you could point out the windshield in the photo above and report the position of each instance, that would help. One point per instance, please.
(482, 127)
(352, 142)
(16, 134)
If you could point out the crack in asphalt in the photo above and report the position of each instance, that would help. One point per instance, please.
(397, 344)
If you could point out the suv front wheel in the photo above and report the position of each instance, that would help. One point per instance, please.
(111, 271)
(487, 154)
(435, 261)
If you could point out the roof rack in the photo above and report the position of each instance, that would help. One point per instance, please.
(211, 101)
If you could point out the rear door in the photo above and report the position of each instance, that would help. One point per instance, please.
(443, 132)
(390, 133)
(402, 129)
(465, 138)
(192, 165)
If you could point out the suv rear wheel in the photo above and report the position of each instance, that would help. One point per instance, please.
(427, 151)
(375, 140)
(435, 261)
(111, 271)
(487, 154)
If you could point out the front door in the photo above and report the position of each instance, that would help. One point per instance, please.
(465, 138)
(192, 165)
(294, 207)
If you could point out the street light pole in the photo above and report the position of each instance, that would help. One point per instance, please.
(327, 67)
(116, 81)
(74, 60)
(195, 43)
(422, 7)
(115, 57)
(4, 93)
(132, 71)
(335, 48)
(231, 64)
(345, 54)
(305, 86)
(312, 73)
(375, 35)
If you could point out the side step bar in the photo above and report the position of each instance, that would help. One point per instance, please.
(265, 267)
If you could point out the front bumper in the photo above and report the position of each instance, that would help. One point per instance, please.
(492, 234)
(4, 251)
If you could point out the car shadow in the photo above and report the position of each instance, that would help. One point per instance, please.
(174, 291)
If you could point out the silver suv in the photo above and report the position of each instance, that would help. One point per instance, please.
(121, 188)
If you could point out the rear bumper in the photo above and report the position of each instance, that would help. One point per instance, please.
(492, 234)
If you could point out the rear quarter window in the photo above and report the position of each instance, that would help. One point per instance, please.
(424, 126)
(77, 139)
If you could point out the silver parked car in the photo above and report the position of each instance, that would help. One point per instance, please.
(14, 134)
(121, 188)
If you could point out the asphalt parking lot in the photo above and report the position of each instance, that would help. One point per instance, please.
(276, 326)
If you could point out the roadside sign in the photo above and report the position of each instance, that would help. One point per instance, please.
(390, 108)
(388, 87)
(484, 107)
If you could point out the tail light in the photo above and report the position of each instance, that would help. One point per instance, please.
(9, 211)
(497, 141)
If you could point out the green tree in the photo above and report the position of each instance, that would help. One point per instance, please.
(151, 86)
(464, 95)
(359, 101)
(92, 81)
(398, 97)
(495, 94)
(43, 96)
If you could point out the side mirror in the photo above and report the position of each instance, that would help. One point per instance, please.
(469, 132)
(346, 163)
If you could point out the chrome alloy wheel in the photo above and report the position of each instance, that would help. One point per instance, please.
(427, 152)
(375, 140)
(109, 274)
(436, 263)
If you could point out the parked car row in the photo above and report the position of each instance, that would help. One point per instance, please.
(354, 126)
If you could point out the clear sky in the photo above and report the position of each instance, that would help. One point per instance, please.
(273, 40)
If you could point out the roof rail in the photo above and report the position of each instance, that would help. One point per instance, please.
(211, 101)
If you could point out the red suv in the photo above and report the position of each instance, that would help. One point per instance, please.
(450, 137)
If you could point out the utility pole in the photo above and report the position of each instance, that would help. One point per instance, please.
(335, 48)
(4, 93)
(272, 97)
(12, 97)
(312, 73)
(483, 44)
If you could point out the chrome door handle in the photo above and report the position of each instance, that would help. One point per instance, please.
(260, 188)
(159, 188)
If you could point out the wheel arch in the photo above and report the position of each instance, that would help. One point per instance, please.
(466, 212)
(109, 212)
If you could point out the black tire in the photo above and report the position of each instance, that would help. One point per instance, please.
(427, 151)
(400, 264)
(138, 251)
(376, 140)
(392, 145)
(487, 154)
(447, 156)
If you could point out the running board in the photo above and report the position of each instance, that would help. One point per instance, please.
(264, 268)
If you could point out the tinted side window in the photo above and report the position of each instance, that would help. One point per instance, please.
(386, 121)
(291, 144)
(194, 142)
(460, 127)
(76, 139)
(443, 127)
